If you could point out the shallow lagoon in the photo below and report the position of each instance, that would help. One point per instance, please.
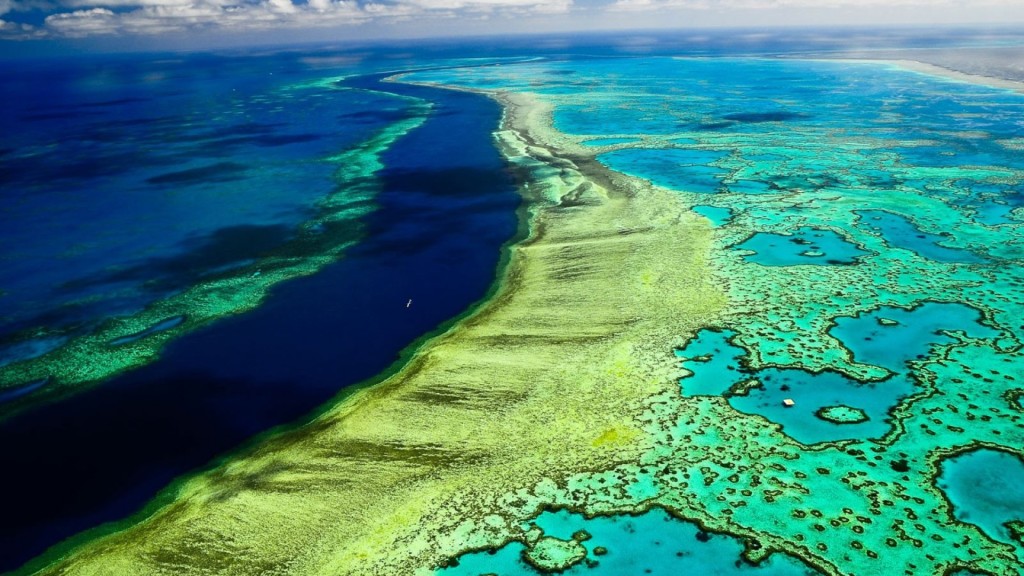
(718, 216)
(822, 140)
(887, 337)
(651, 543)
(891, 337)
(900, 232)
(986, 488)
(717, 370)
(813, 145)
(802, 246)
(678, 169)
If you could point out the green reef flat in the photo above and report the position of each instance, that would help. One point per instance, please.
(817, 372)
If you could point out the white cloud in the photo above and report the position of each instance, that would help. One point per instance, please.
(82, 22)
(143, 17)
(486, 4)
(86, 4)
(281, 6)
(78, 18)
(17, 30)
(648, 5)
(8, 6)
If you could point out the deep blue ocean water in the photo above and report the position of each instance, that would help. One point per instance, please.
(124, 179)
(447, 205)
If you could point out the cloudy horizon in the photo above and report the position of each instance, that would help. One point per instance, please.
(25, 24)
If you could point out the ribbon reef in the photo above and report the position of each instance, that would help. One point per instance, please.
(764, 316)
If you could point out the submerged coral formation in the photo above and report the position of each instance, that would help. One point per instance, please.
(130, 341)
(782, 387)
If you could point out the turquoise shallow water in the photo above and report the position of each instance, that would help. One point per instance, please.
(651, 543)
(803, 246)
(986, 488)
(680, 169)
(868, 242)
(717, 370)
(888, 338)
(718, 216)
(714, 362)
(900, 232)
(899, 189)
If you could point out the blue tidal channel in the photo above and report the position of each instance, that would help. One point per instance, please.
(447, 207)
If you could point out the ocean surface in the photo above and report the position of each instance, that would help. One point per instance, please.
(868, 234)
(248, 234)
(156, 208)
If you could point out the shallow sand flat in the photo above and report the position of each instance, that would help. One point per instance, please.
(936, 70)
(994, 66)
(546, 379)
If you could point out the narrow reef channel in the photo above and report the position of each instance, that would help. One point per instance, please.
(447, 205)
(386, 480)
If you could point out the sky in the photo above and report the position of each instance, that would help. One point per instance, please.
(30, 25)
